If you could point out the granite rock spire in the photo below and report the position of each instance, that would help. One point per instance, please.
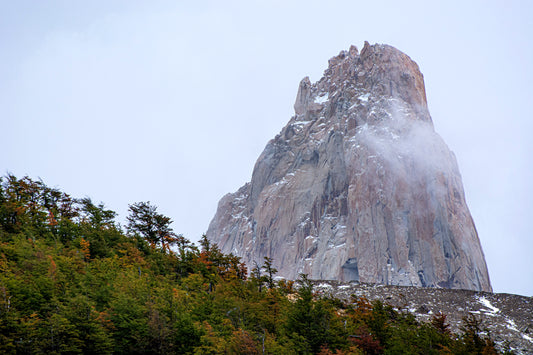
(358, 185)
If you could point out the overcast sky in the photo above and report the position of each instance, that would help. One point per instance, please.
(168, 102)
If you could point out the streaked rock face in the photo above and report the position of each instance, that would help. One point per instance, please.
(358, 186)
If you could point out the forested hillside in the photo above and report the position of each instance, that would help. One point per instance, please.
(72, 280)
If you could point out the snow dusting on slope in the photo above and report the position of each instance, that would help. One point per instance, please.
(322, 99)
(493, 310)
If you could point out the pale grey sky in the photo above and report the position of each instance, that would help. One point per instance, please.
(127, 101)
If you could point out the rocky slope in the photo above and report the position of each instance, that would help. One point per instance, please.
(358, 186)
(508, 318)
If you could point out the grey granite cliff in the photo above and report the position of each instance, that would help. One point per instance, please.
(358, 185)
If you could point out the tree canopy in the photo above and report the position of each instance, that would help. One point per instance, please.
(73, 281)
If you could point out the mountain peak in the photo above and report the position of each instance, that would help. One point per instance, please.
(358, 185)
(379, 70)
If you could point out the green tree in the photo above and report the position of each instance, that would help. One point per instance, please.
(96, 215)
(97, 226)
(153, 226)
(309, 322)
(270, 271)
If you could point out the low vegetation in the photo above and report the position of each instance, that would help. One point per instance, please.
(72, 280)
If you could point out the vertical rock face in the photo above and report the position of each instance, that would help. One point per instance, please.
(358, 186)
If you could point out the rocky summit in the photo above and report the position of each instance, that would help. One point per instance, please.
(358, 186)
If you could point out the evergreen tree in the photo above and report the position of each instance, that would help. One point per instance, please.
(270, 271)
(152, 226)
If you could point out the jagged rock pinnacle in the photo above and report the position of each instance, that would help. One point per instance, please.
(358, 186)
